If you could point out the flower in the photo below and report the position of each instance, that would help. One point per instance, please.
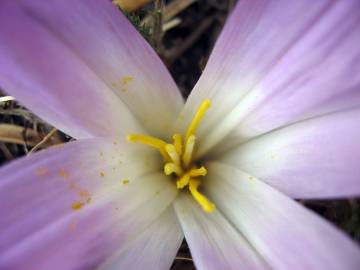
(283, 123)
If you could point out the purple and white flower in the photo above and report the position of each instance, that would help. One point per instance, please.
(284, 85)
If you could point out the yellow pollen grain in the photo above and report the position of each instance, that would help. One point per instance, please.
(41, 171)
(77, 205)
(125, 181)
(73, 186)
(126, 79)
(64, 174)
(72, 226)
(102, 174)
(84, 193)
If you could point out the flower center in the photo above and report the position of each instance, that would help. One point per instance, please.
(178, 157)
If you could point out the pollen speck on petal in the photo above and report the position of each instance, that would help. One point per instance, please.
(41, 171)
(77, 205)
(126, 79)
(73, 225)
(64, 174)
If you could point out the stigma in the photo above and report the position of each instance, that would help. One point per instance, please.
(178, 157)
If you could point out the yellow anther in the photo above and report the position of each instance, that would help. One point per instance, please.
(178, 143)
(150, 141)
(206, 205)
(189, 148)
(170, 149)
(183, 181)
(198, 172)
(170, 168)
(197, 118)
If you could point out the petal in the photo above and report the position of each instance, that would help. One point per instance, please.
(154, 248)
(277, 62)
(315, 158)
(286, 234)
(80, 202)
(213, 242)
(85, 49)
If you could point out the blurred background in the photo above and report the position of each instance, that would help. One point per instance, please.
(183, 32)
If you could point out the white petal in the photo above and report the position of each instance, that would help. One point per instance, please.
(287, 235)
(39, 224)
(316, 158)
(154, 248)
(276, 62)
(83, 67)
(213, 242)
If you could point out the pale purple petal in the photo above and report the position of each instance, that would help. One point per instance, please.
(84, 68)
(277, 62)
(154, 248)
(284, 233)
(72, 207)
(213, 242)
(316, 158)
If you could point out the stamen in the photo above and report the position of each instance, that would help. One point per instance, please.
(170, 168)
(178, 157)
(150, 141)
(183, 181)
(178, 143)
(170, 149)
(197, 118)
(198, 172)
(189, 147)
(206, 205)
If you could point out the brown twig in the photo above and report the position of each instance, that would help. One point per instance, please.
(13, 134)
(157, 33)
(175, 7)
(7, 154)
(171, 24)
(6, 98)
(183, 258)
(43, 141)
(172, 54)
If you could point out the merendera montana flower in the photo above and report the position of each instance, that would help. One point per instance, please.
(283, 82)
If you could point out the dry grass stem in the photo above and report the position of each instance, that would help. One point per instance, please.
(6, 98)
(43, 141)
